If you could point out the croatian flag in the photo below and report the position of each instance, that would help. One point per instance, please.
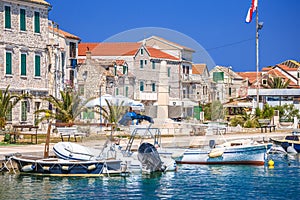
(251, 11)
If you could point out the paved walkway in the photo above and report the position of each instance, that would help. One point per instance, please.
(175, 141)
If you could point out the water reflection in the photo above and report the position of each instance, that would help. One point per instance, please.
(190, 181)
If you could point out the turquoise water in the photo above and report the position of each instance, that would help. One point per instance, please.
(190, 181)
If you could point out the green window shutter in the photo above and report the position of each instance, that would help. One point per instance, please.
(23, 64)
(37, 65)
(8, 63)
(153, 65)
(124, 70)
(218, 76)
(24, 111)
(169, 71)
(22, 20)
(7, 17)
(36, 22)
(141, 63)
(153, 87)
(126, 91)
(141, 86)
(117, 91)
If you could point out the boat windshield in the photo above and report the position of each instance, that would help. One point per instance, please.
(292, 137)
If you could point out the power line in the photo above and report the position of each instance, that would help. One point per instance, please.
(230, 44)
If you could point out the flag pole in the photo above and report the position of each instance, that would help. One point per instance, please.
(257, 58)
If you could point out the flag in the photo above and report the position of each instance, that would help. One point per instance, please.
(251, 11)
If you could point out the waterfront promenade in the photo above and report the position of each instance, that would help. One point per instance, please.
(179, 140)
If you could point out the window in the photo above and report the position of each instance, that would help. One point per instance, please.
(145, 62)
(229, 91)
(117, 91)
(169, 71)
(126, 91)
(81, 89)
(9, 112)
(141, 64)
(7, 17)
(37, 66)
(72, 50)
(23, 64)
(264, 81)
(141, 86)
(142, 51)
(153, 87)
(36, 22)
(24, 111)
(8, 69)
(153, 65)
(22, 20)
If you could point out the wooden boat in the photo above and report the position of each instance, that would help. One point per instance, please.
(241, 152)
(62, 167)
(290, 143)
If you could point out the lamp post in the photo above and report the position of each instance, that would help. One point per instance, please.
(100, 109)
(258, 26)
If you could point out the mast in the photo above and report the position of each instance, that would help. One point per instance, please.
(257, 57)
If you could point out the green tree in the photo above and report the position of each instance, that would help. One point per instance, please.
(266, 113)
(112, 113)
(277, 82)
(67, 109)
(7, 102)
(217, 110)
(287, 112)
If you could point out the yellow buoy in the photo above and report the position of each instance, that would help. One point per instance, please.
(271, 163)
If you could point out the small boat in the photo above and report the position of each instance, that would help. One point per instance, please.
(241, 152)
(62, 167)
(290, 143)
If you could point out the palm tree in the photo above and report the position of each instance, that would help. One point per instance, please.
(7, 102)
(67, 109)
(277, 82)
(113, 112)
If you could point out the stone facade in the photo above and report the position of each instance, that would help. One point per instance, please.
(28, 45)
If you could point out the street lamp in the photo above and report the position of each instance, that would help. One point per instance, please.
(100, 111)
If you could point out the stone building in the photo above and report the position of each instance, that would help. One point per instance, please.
(62, 50)
(23, 54)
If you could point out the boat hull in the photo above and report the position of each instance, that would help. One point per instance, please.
(246, 155)
(60, 167)
(288, 143)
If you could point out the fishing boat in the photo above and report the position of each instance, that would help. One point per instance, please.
(290, 143)
(240, 152)
(61, 167)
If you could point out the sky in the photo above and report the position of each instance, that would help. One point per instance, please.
(215, 29)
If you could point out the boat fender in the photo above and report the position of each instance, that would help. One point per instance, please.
(291, 149)
(46, 168)
(28, 168)
(65, 168)
(91, 167)
(215, 153)
(123, 167)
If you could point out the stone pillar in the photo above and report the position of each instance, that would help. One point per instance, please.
(163, 93)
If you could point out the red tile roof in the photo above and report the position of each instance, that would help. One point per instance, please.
(156, 53)
(115, 48)
(64, 33)
(198, 68)
(84, 47)
(250, 75)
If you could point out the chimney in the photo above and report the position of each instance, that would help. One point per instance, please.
(88, 55)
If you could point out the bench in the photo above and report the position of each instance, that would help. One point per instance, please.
(69, 132)
(265, 124)
(23, 129)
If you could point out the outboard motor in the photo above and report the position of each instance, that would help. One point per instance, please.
(149, 157)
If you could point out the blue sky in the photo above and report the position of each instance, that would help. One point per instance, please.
(217, 26)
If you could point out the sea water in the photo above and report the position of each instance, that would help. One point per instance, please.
(190, 181)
